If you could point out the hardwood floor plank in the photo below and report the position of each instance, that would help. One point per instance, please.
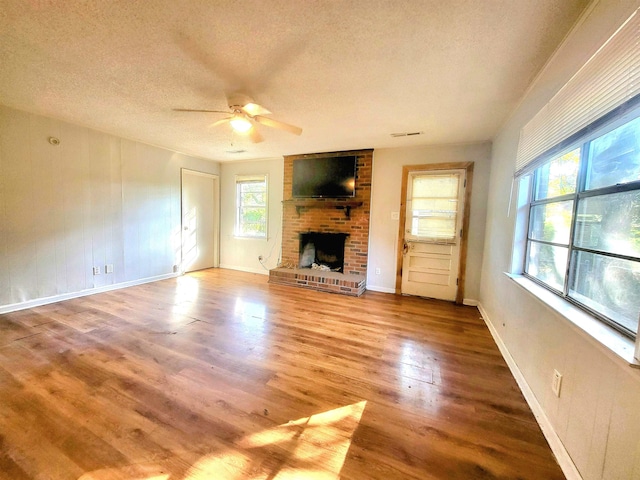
(218, 374)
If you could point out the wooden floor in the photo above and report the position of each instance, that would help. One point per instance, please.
(219, 375)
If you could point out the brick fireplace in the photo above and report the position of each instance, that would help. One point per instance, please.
(313, 217)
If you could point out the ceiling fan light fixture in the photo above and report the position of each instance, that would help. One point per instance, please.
(240, 124)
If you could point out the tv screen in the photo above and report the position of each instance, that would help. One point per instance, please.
(324, 177)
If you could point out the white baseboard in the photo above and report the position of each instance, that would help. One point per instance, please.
(82, 293)
(373, 288)
(260, 271)
(470, 302)
(557, 447)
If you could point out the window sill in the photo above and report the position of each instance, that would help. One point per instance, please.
(616, 343)
(248, 237)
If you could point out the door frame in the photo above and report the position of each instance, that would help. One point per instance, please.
(434, 167)
(216, 213)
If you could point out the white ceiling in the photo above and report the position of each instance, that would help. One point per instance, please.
(349, 72)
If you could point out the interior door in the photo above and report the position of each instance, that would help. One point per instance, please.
(199, 220)
(434, 215)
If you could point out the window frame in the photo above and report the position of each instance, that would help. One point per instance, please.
(527, 184)
(248, 179)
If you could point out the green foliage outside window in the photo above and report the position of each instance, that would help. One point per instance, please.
(251, 220)
(584, 226)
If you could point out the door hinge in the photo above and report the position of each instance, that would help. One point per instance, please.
(465, 183)
(456, 282)
(460, 233)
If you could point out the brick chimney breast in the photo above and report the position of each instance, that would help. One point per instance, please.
(348, 216)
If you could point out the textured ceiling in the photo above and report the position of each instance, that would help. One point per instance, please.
(348, 72)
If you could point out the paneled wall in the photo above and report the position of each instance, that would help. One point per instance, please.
(93, 200)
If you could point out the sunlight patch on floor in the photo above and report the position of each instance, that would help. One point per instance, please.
(313, 447)
(310, 448)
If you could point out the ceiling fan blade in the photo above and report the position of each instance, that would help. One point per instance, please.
(270, 122)
(255, 109)
(193, 110)
(254, 135)
(221, 121)
(245, 103)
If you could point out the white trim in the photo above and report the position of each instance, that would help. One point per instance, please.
(216, 212)
(613, 343)
(374, 288)
(260, 271)
(470, 302)
(557, 447)
(82, 293)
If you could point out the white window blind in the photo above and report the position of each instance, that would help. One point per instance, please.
(608, 80)
(433, 206)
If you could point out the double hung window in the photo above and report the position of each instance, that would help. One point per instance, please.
(578, 168)
(251, 206)
(583, 239)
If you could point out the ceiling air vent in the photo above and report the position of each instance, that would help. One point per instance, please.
(235, 151)
(406, 134)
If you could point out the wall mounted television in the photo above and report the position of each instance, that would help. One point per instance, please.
(324, 177)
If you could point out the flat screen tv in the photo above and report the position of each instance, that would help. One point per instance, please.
(328, 177)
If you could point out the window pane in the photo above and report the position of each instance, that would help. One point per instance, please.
(253, 187)
(551, 222)
(434, 205)
(252, 211)
(610, 286)
(435, 218)
(436, 227)
(615, 157)
(558, 177)
(251, 198)
(547, 263)
(610, 223)
(435, 186)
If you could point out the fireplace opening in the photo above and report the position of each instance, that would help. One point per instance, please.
(322, 251)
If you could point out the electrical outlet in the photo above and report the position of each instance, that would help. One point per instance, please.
(377, 270)
(556, 383)
(96, 270)
(395, 215)
(108, 268)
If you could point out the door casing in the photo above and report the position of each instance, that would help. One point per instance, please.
(215, 211)
(433, 167)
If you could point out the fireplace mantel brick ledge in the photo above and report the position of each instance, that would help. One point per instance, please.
(327, 216)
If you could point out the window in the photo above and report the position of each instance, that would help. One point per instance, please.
(433, 199)
(251, 206)
(583, 235)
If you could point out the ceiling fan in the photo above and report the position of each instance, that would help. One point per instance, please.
(244, 112)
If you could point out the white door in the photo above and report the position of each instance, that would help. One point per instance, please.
(199, 220)
(433, 233)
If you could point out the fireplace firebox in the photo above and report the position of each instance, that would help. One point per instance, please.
(322, 251)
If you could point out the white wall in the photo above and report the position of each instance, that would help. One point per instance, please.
(597, 416)
(93, 200)
(385, 193)
(242, 253)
